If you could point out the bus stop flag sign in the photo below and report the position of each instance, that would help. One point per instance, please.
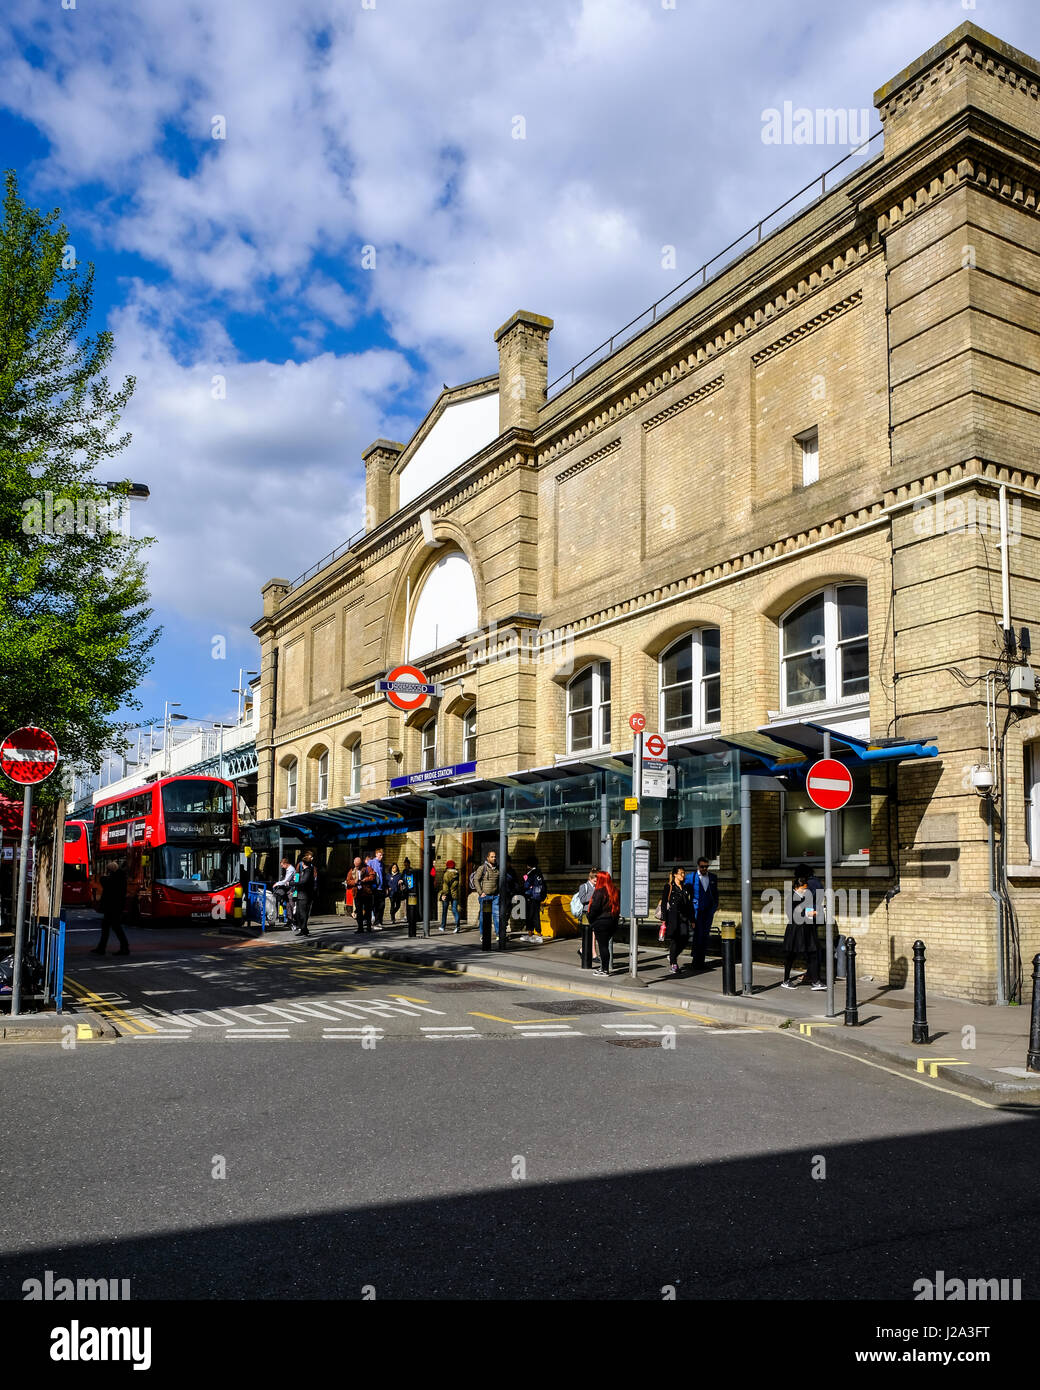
(829, 784)
(28, 755)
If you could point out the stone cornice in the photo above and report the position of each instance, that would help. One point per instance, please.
(589, 460)
(976, 49)
(708, 389)
(810, 326)
(701, 349)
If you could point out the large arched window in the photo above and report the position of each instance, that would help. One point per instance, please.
(588, 709)
(444, 607)
(691, 687)
(292, 772)
(823, 648)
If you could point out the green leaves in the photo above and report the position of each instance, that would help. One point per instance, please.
(74, 615)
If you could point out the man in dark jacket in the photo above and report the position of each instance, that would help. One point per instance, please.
(703, 888)
(306, 885)
(113, 905)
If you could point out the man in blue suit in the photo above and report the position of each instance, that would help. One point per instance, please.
(704, 890)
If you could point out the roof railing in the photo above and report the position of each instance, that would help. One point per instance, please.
(332, 555)
(623, 335)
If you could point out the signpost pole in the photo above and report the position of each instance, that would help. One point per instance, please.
(828, 892)
(19, 925)
(746, 923)
(637, 792)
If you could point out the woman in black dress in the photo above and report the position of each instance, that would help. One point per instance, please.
(675, 910)
(800, 938)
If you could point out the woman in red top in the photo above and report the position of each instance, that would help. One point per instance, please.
(603, 911)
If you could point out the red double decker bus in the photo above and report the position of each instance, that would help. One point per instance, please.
(76, 891)
(177, 840)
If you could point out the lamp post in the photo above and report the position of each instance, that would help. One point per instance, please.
(220, 755)
(240, 689)
(168, 718)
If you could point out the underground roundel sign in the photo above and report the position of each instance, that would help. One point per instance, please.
(829, 784)
(406, 687)
(28, 755)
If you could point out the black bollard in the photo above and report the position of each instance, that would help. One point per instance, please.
(586, 944)
(920, 1033)
(851, 1006)
(728, 931)
(1033, 1057)
(485, 925)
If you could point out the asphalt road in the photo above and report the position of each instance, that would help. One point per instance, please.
(289, 1122)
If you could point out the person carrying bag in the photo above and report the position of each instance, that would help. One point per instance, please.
(676, 913)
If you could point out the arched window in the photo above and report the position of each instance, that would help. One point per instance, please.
(428, 760)
(823, 648)
(323, 777)
(355, 768)
(469, 735)
(691, 688)
(291, 779)
(588, 709)
(444, 607)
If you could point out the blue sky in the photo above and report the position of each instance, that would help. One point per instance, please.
(390, 126)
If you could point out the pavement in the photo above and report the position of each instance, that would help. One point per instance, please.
(974, 1047)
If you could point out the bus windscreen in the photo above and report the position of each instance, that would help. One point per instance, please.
(194, 869)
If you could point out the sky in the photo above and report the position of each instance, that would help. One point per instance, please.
(306, 216)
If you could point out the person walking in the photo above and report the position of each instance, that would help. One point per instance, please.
(604, 910)
(800, 938)
(113, 905)
(379, 887)
(675, 910)
(487, 882)
(410, 883)
(534, 895)
(306, 881)
(703, 888)
(359, 880)
(394, 886)
(450, 894)
(282, 889)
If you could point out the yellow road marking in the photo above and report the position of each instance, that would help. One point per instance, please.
(495, 1018)
(903, 1076)
(923, 1062)
(933, 1067)
(409, 998)
(806, 1028)
(108, 1011)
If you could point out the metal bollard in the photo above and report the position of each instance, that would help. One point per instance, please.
(586, 944)
(920, 1033)
(485, 925)
(728, 931)
(851, 1005)
(1033, 1056)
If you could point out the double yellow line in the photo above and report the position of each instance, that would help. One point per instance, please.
(111, 1013)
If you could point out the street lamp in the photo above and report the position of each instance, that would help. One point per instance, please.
(139, 491)
(240, 689)
(220, 764)
(168, 718)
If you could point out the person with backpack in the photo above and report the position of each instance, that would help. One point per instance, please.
(450, 894)
(675, 911)
(580, 903)
(604, 911)
(535, 892)
(485, 884)
(360, 881)
(283, 888)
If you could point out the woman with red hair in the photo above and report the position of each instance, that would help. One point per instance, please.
(603, 912)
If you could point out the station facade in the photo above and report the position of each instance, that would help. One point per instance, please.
(803, 498)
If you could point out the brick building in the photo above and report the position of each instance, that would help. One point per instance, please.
(803, 497)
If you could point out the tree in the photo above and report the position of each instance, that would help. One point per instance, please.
(74, 621)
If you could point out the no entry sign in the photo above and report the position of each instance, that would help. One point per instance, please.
(28, 755)
(829, 784)
(406, 687)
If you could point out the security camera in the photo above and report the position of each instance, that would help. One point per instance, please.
(982, 779)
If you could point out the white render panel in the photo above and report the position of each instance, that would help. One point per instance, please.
(463, 430)
(445, 606)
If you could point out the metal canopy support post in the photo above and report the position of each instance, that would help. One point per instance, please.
(633, 921)
(745, 885)
(828, 889)
(504, 904)
(425, 882)
(19, 925)
(605, 855)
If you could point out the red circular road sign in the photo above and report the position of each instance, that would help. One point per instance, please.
(637, 723)
(411, 674)
(28, 755)
(655, 746)
(829, 784)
